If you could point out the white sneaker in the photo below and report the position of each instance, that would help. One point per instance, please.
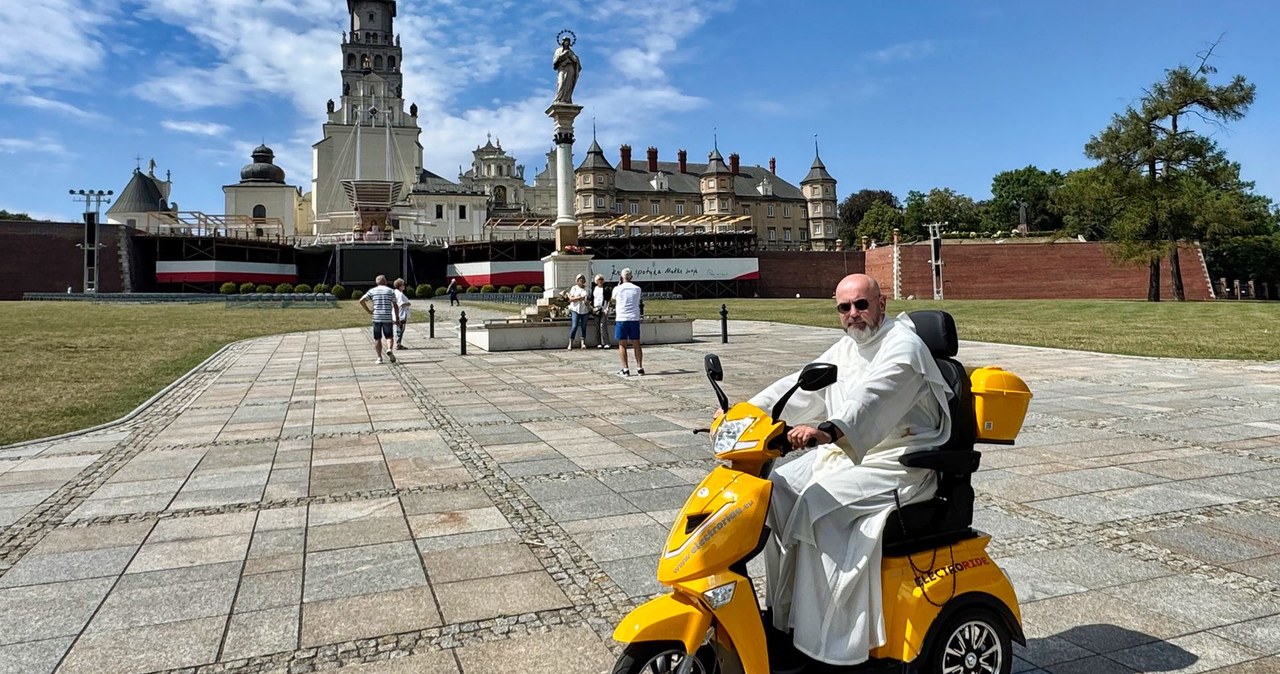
(570, 347)
(584, 345)
(377, 362)
(640, 372)
(623, 373)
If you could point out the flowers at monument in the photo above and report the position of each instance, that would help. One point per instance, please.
(574, 250)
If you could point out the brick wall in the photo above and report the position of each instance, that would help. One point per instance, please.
(811, 273)
(1032, 270)
(43, 257)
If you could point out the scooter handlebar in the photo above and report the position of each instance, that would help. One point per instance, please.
(781, 444)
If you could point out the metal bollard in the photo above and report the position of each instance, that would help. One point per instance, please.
(431, 312)
(724, 324)
(462, 332)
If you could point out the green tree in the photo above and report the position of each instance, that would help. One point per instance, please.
(1183, 173)
(1012, 189)
(855, 207)
(15, 217)
(942, 205)
(879, 222)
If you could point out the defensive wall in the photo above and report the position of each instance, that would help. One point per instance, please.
(46, 257)
(1032, 270)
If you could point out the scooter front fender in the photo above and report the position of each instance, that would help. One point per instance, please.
(671, 617)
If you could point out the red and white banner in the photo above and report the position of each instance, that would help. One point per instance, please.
(216, 271)
(529, 272)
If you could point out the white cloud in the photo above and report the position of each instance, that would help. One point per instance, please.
(904, 51)
(51, 42)
(197, 128)
(44, 145)
(41, 103)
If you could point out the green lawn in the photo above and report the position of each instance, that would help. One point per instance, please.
(1232, 330)
(70, 365)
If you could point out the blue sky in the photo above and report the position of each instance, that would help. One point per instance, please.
(903, 96)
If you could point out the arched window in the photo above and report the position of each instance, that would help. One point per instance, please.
(377, 62)
(351, 61)
(391, 63)
(259, 211)
(372, 17)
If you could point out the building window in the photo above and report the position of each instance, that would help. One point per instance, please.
(586, 201)
(769, 208)
(351, 61)
(462, 211)
(635, 231)
(786, 235)
(697, 209)
(635, 208)
(391, 63)
(773, 234)
(599, 202)
(746, 209)
(259, 211)
(653, 208)
(395, 224)
(827, 208)
(132, 222)
(817, 229)
(724, 205)
(786, 211)
(679, 208)
(804, 235)
(600, 180)
(377, 62)
(724, 183)
(617, 208)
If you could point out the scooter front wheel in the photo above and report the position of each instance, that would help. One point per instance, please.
(662, 657)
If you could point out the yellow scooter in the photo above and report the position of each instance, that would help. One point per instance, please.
(948, 608)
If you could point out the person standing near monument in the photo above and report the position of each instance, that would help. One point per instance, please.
(383, 309)
(402, 318)
(567, 68)
(579, 310)
(600, 308)
(626, 329)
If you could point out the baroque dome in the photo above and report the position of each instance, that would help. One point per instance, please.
(262, 170)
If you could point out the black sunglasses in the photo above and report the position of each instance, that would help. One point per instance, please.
(860, 305)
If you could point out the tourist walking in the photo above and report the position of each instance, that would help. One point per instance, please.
(382, 297)
(402, 319)
(626, 329)
(579, 310)
(600, 310)
(453, 292)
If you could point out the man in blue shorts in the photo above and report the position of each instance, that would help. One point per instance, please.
(626, 330)
(384, 310)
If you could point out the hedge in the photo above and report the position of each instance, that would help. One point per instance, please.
(263, 288)
(321, 288)
(441, 291)
(284, 288)
(504, 289)
(229, 288)
(424, 290)
(487, 288)
(521, 288)
(339, 291)
(247, 287)
(476, 289)
(302, 288)
(535, 289)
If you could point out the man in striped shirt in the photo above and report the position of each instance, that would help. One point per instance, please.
(384, 310)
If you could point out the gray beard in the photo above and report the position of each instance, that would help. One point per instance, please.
(864, 335)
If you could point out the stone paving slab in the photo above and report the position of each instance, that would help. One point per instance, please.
(293, 507)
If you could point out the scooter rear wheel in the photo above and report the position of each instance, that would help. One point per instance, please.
(973, 641)
(661, 657)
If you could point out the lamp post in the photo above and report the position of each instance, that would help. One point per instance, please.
(93, 198)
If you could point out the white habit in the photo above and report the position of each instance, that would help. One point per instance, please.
(829, 506)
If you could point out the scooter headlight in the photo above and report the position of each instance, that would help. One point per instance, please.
(719, 596)
(728, 434)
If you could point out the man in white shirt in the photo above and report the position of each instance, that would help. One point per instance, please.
(402, 319)
(626, 327)
(828, 507)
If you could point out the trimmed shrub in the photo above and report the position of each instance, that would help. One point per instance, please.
(487, 288)
(424, 290)
(321, 288)
(521, 288)
(535, 289)
(263, 288)
(229, 288)
(441, 292)
(474, 289)
(339, 291)
(284, 288)
(504, 289)
(247, 287)
(302, 288)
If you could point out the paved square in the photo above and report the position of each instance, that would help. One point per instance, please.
(291, 507)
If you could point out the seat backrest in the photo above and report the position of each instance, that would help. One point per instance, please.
(937, 329)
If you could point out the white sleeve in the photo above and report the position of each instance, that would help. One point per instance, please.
(876, 407)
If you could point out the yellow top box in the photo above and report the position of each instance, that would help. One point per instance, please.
(1000, 401)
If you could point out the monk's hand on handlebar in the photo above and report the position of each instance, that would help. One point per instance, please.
(802, 436)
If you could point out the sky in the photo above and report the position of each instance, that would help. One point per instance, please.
(898, 96)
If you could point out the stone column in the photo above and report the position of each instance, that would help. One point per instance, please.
(559, 269)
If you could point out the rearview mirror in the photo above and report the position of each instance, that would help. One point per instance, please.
(714, 371)
(817, 376)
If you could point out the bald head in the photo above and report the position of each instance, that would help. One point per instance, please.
(859, 289)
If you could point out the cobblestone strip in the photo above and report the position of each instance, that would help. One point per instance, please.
(19, 538)
(600, 601)
(707, 464)
(392, 646)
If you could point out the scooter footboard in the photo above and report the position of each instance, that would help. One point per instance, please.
(671, 617)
